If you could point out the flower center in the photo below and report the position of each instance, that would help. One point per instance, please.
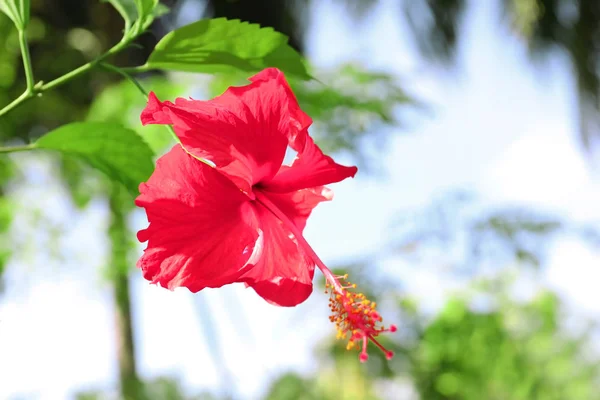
(355, 317)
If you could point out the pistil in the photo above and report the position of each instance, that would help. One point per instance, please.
(356, 317)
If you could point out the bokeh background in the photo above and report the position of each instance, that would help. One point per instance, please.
(474, 220)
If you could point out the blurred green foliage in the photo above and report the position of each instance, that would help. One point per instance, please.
(517, 352)
(352, 105)
(161, 388)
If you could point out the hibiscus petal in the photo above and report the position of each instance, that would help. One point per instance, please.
(202, 230)
(311, 168)
(299, 120)
(283, 274)
(244, 132)
(298, 205)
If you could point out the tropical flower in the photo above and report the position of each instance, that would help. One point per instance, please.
(222, 208)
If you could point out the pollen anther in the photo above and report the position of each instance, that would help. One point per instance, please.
(355, 316)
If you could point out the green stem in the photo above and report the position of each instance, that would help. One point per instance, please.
(121, 72)
(138, 69)
(14, 149)
(16, 102)
(40, 88)
(83, 69)
(67, 77)
(26, 61)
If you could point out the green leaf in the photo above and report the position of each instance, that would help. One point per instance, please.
(138, 14)
(149, 10)
(158, 11)
(145, 7)
(122, 103)
(17, 10)
(221, 45)
(111, 148)
(127, 9)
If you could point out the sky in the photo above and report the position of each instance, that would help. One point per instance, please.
(499, 127)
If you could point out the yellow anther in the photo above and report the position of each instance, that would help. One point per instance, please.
(352, 313)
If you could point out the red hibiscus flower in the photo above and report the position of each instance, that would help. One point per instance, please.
(222, 208)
